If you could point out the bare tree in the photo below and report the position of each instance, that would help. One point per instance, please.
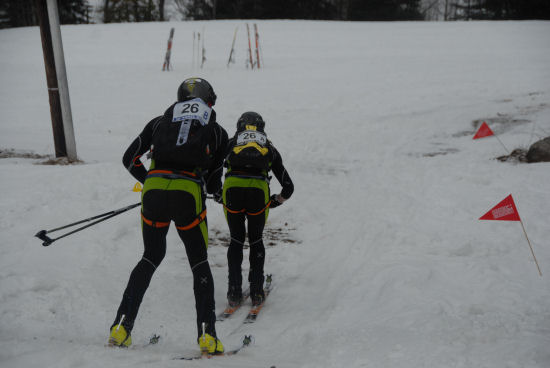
(447, 9)
(430, 9)
(342, 8)
(196, 9)
(129, 11)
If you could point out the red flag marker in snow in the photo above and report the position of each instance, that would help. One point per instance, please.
(483, 131)
(506, 211)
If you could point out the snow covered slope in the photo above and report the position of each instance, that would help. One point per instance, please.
(379, 258)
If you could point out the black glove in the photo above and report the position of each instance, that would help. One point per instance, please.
(218, 196)
(275, 201)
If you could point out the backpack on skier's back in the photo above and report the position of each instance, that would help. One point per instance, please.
(181, 139)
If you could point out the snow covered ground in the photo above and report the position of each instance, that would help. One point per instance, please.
(379, 258)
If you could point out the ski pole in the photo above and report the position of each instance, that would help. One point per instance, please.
(105, 216)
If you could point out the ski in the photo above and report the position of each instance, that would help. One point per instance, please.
(166, 65)
(203, 49)
(232, 52)
(249, 48)
(257, 37)
(255, 310)
(194, 48)
(229, 310)
(153, 340)
(246, 342)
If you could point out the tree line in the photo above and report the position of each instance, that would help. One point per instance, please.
(20, 13)
(486, 9)
(302, 9)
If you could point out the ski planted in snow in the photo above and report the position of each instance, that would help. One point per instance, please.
(255, 310)
(166, 65)
(232, 52)
(257, 37)
(203, 49)
(251, 61)
(229, 310)
(246, 342)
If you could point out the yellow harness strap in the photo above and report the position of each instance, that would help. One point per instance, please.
(263, 150)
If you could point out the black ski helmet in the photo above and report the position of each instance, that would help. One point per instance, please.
(250, 118)
(197, 88)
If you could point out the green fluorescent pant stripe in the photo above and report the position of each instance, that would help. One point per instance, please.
(233, 182)
(179, 184)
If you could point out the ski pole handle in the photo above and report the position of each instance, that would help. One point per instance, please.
(42, 236)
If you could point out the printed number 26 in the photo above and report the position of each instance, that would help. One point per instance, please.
(194, 108)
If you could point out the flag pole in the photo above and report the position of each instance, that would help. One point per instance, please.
(530, 247)
(484, 131)
(498, 139)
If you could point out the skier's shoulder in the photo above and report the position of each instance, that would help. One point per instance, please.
(274, 150)
(217, 127)
(169, 112)
(151, 126)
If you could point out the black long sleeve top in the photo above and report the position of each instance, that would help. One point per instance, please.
(277, 168)
(218, 143)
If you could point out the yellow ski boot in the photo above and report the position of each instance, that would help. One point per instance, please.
(210, 345)
(119, 337)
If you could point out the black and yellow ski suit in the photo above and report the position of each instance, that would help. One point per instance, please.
(246, 196)
(172, 193)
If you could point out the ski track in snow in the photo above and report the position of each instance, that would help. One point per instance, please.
(385, 263)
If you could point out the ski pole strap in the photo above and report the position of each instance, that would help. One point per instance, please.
(248, 213)
(174, 174)
(154, 223)
(200, 218)
(137, 158)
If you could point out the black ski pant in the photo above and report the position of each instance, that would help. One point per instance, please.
(246, 206)
(159, 208)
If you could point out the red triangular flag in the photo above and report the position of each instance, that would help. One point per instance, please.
(504, 211)
(483, 131)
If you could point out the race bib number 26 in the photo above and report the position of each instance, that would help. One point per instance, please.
(251, 136)
(194, 109)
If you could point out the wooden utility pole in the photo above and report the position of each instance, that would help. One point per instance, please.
(56, 78)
